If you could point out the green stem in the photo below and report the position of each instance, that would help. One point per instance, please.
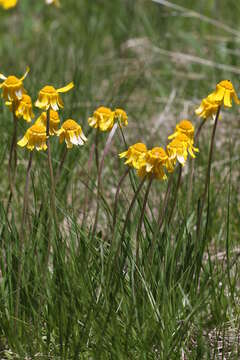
(208, 173)
(191, 174)
(13, 154)
(52, 192)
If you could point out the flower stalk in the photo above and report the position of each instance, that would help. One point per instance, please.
(208, 173)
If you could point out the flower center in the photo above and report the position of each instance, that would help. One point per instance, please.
(139, 147)
(158, 152)
(48, 90)
(226, 84)
(38, 129)
(185, 125)
(12, 80)
(103, 110)
(70, 125)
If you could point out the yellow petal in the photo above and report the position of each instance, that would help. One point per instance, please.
(23, 142)
(66, 88)
(26, 72)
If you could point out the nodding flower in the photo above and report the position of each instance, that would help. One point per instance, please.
(153, 165)
(49, 97)
(207, 108)
(224, 94)
(35, 137)
(22, 108)
(72, 133)
(183, 127)
(12, 87)
(135, 155)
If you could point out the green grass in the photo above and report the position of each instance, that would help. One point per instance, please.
(85, 301)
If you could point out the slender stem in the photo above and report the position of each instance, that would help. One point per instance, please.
(208, 173)
(21, 235)
(141, 219)
(13, 154)
(100, 169)
(190, 184)
(52, 192)
(176, 194)
(96, 149)
(117, 196)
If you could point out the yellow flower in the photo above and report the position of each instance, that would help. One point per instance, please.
(54, 2)
(208, 107)
(103, 119)
(224, 93)
(154, 161)
(121, 116)
(23, 108)
(184, 127)
(134, 155)
(176, 150)
(49, 97)
(35, 136)
(188, 143)
(7, 4)
(12, 87)
(53, 123)
(72, 133)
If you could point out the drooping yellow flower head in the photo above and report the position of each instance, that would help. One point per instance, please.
(7, 4)
(121, 116)
(53, 2)
(153, 163)
(23, 108)
(224, 94)
(177, 151)
(54, 121)
(135, 155)
(12, 87)
(49, 97)
(208, 107)
(72, 133)
(184, 127)
(102, 119)
(35, 137)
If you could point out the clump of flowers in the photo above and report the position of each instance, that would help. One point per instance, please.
(72, 133)
(35, 137)
(49, 97)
